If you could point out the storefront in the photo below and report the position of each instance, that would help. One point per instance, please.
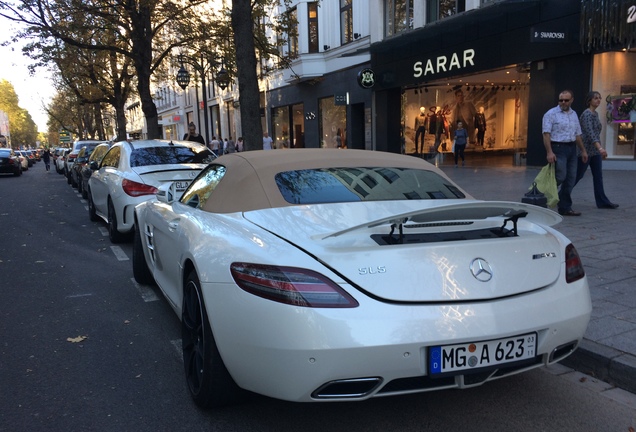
(327, 112)
(497, 68)
(613, 72)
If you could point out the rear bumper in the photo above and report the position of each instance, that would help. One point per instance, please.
(296, 354)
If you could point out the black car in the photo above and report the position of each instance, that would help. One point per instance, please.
(9, 162)
(80, 160)
(96, 155)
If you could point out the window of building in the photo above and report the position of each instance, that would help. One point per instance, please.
(280, 122)
(312, 10)
(292, 37)
(440, 9)
(346, 21)
(399, 16)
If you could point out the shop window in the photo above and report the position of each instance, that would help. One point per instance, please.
(440, 9)
(333, 124)
(346, 21)
(280, 122)
(399, 16)
(312, 31)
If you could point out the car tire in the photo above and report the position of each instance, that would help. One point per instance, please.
(209, 381)
(92, 213)
(141, 272)
(114, 235)
(79, 188)
(84, 192)
(68, 177)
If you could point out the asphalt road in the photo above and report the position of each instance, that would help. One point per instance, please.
(84, 348)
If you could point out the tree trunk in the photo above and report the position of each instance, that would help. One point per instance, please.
(142, 55)
(246, 70)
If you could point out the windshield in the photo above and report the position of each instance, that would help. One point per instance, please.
(172, 154)
(333, 185)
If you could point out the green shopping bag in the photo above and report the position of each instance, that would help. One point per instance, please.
(546, 183)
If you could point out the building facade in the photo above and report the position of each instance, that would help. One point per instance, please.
(389, 74)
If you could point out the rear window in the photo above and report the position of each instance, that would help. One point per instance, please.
(166, 155)
(333, 185)
(5, 153)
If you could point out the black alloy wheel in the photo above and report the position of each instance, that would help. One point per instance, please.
(208, 379)
(141, 272)
(92, 213)
(114, 235)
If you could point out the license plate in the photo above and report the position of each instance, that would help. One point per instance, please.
(181, 185)
(460, 357)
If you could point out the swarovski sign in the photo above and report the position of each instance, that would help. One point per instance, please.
(444, 63)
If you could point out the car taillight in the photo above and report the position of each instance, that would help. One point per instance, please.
(291, 285)
(573, 265)
(71, 156)
(135, 189)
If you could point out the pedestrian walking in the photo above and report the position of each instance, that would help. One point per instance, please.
(46, 157)
(561, 136)
(240, 145)
(214, 146)
(459, 144)
(192, 134)
(591, 128)
(267, 142)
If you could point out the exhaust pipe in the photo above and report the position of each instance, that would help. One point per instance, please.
(347, 388)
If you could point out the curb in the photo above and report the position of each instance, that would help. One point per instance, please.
(607, 364)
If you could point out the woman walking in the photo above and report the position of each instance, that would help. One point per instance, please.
(461, 139)
(591, 128)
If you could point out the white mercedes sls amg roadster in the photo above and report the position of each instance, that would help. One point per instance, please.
(331, 275)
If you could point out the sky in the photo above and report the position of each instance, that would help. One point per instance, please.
(33, 91)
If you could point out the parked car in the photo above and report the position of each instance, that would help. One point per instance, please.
(30, 159)
(61, 160)
(330, 275)
(131, 172)
(69, 160)
(94, 159)
(79, 163)
(24, 161)
(9, 162)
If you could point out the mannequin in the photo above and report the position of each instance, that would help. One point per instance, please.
(480, 126)
(420, 130)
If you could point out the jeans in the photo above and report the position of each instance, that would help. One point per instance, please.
(596, 166)
(566, 169)
(459, 152)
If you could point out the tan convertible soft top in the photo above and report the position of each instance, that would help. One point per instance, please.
(249, 182)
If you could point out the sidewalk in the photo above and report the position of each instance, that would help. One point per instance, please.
(606, 242)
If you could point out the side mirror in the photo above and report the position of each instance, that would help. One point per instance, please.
(166, 193)
(93, 165)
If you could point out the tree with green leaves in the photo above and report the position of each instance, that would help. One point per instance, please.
(22, 128)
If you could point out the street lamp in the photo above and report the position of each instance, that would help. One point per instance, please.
(222, 78)
(183, 76)
(202, 67)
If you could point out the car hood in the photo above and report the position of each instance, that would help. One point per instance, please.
(451, 250)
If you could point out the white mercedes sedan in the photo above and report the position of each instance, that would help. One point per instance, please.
(333, 275)
(132, 171)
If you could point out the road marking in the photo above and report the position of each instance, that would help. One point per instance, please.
(103, 230)
(147, 293)
(119, 253)
(79, 295)
(83, 201)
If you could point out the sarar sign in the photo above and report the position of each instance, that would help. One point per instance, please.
(443, 63)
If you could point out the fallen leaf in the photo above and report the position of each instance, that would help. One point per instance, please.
(127, 322)
(77, 339)
(583, 379)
